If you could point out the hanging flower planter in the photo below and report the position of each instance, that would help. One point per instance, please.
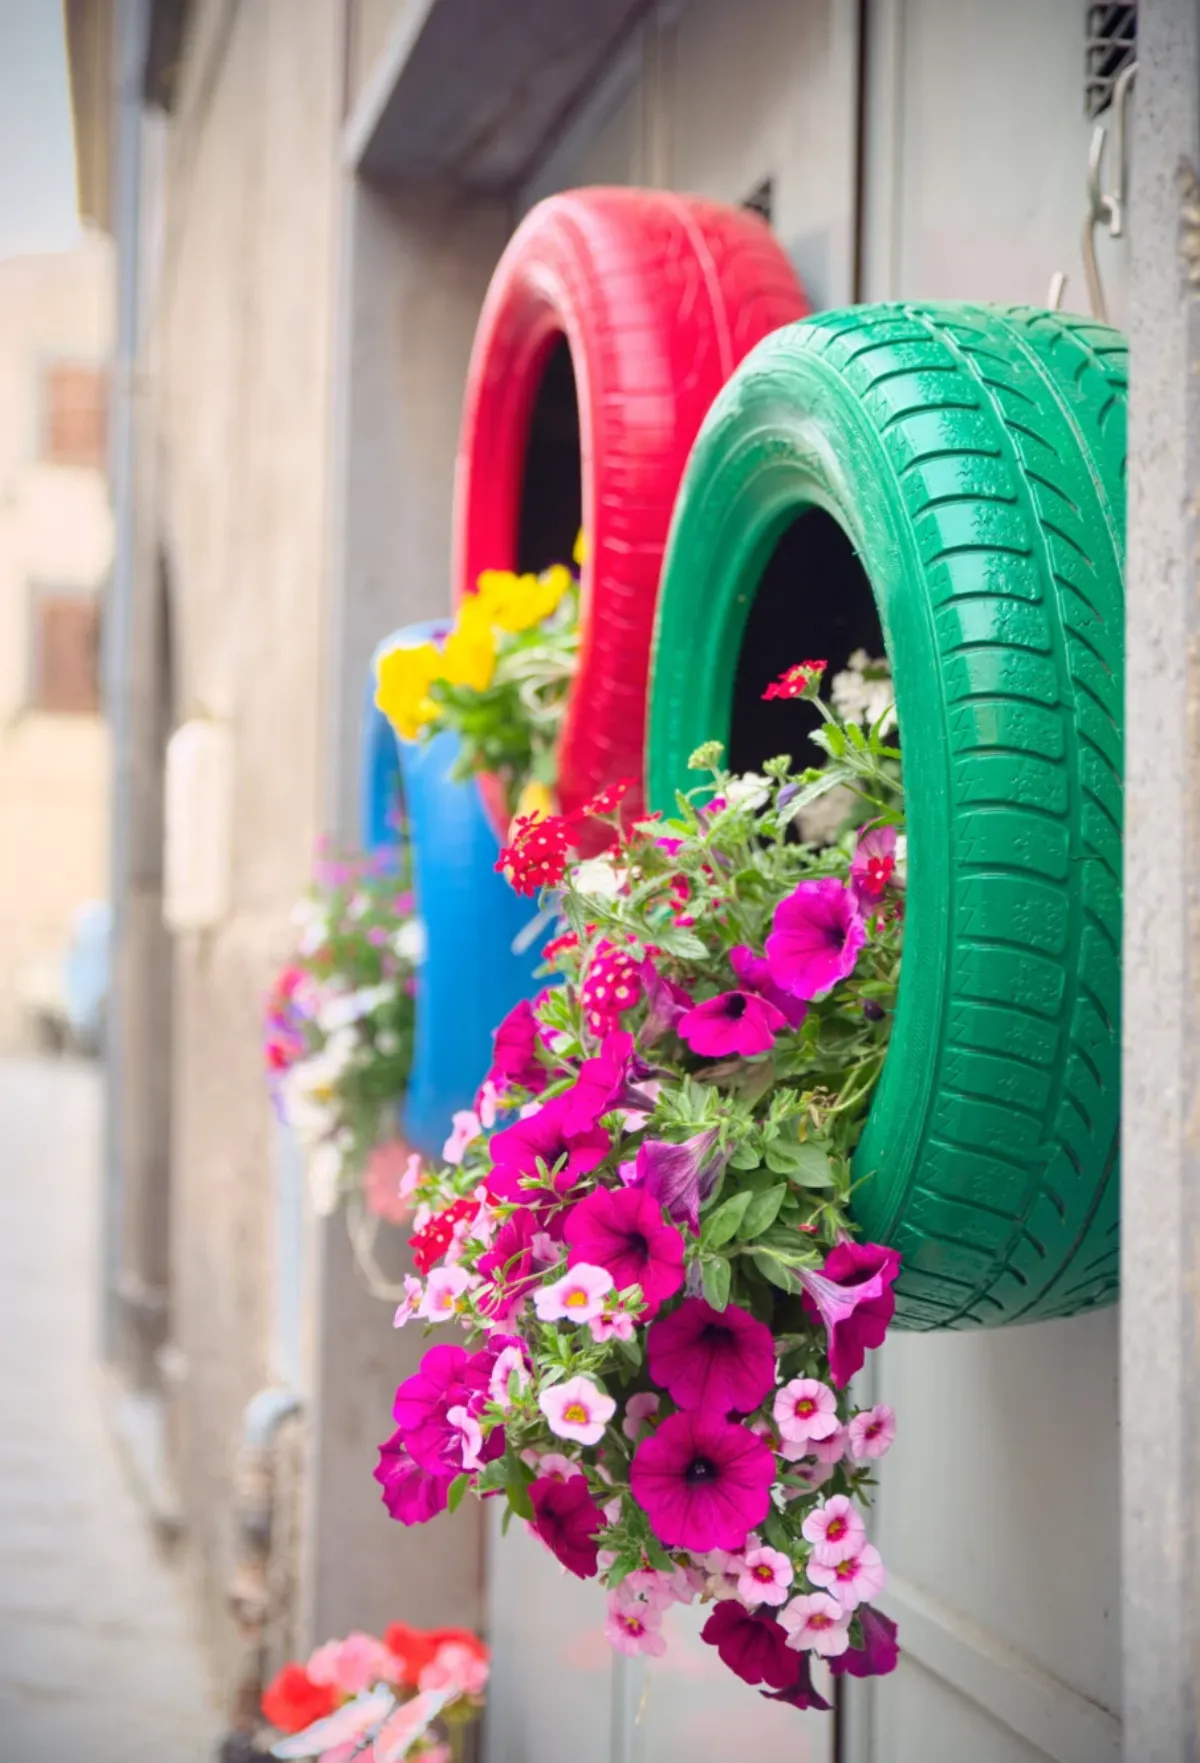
(946, 480)
(612, 320)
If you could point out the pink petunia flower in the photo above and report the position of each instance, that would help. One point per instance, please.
(702, 1481)
(873, 865)
(577, 1410)
(633, 1626)
(467, 1129)
(723, 1569)
(878, 1654)
(407, 1307)
(568, 1521)
(765, 1577)
(871, 1432)
(509, 1364)
(831, 1449)
(471, 1433)
(623, 1229)
(816, 934)
(514, 1052)
(752, 1644)
(852, 1295)
(835, 1530)
(351, 1665)
(713, 1359)
(612, 1325)
(754, 975)
(805, 1409)
(578, 1296)
(458, 1669)
(817, 1623)
(552, 1464)
(444, 1287)
(732, 1024)
(853, 1581)
(639, 1410)
(811, 1474)
(542, 1137)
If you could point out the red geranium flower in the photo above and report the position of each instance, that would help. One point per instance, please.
(293, 1701)
(415, 1648)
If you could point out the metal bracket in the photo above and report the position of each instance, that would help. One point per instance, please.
(1105, 207)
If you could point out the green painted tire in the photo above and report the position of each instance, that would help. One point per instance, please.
(974, 458)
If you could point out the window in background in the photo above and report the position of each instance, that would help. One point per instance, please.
(64, 661)
(75, 415)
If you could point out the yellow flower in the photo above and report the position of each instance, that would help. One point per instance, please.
(535, 801)
(580, 553)
(516, 602)
(469, 657)
(402, 681)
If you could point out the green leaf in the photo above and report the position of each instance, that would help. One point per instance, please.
(783, 1156)
(762, 1212)
(773, 1271)
(723, 1224)
(745, 1156)
(455, 1492)
(518, 1488)
(835, 741)
(814, 1169)
(717, 1274)
(857, 736)
(776, 1532)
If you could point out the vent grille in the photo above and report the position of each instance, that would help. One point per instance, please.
(1111, 46)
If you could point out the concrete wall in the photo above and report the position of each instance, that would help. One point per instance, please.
(232, 444)
(55, 530)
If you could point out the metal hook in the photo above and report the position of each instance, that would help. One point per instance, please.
(1106, 207)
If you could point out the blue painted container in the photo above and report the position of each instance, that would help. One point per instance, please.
(470, 976)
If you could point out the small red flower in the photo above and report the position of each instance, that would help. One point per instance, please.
(560, 946)
(609, 799)
(415, 1648)
(536, 855)
(795, 680)
(430, 1244)
(292, 1701)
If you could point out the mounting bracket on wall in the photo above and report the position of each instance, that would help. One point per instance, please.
(1105, 206)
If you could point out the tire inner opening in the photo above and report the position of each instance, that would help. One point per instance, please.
(813, 602)
(552, 489)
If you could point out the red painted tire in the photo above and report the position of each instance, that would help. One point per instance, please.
(652, 300)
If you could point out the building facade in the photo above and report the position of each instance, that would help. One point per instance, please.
(321, 193)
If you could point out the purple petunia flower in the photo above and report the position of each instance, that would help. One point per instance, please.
(754, 973)
(816, 934)
(852, 1295)
(666, 1002)
(681, 1177)
(732, 1023)
(878, 1653)
(712, 1359)
(411, 1494)
(516, 1150)
(568, 1521)
(753, 1645)
(623, 1229)
(704, 1482)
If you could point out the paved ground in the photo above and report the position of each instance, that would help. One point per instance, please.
(96, 1661)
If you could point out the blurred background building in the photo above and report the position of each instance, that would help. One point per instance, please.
(308, 198)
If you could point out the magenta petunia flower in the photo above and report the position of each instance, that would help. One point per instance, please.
(816, 934)
(681, 1177)
(448, 1377)
(703, 1482)
(732, 1023)
(751, 1644)
(666, 1002)
(568, 1521)
(754, 975)
(411, 1494)
(508, 1265)
(801, 1694)
(712, 1359)
(603, 1083)
(878, 1654)
(852, 1295)
(544, 1135)
(873, 865)
(514, 1051)
(623, 1229)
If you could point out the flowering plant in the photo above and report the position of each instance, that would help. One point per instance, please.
(339, 1026)
(499, 678)
(377, 1700)
(651, 1254)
